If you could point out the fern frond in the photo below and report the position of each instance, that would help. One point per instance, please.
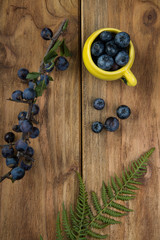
(104, 194)
(59, 235)
(96, 203)
(96, 235)
(67, 227)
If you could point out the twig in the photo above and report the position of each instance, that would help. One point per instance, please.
(5, 176)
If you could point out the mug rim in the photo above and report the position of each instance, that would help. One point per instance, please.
(91, 39)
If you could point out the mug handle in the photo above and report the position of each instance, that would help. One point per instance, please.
(129, 78)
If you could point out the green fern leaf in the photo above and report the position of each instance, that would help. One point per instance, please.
(104, 194)
(120, 207)
(129, 186)
(118, 181)
(115, 188)
(124, 197)
(67, 228)
(96, 235)
(59, 235)
(128, 192)
(96, 203)
(109, 191)
(113, 213)
(98, 225)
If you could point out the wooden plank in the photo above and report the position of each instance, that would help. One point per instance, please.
(107, 153)
(29, 207)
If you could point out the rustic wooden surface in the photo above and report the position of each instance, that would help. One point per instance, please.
(29, 207)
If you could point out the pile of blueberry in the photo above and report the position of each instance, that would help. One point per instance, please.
(112, 123)
(19, 154)
(111, 51)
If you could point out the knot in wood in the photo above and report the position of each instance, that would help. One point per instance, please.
(150, 17)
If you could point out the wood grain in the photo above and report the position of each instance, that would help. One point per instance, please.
(29, 207)
(107, 153)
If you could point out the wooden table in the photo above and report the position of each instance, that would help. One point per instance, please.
(66, 144)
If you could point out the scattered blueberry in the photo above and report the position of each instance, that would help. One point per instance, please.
(97, 48)
(34, 132)
(45, 78)
(99, 103)
(111, 124)
(105, 62)
(17, 173)
(26, 126)
(123, 112)
(122, 39)
(17, 95)
(61, 63)
(12, 162)
(105, 36)
(31, 84)
(7, 151)
(111, 48)
(46, 33)
(9, 137)
(16, 128)
(29, 94)
(21, 145)
(29, 151)
(22, 115)
(26, 165)
(122, 58)
(22, 73)
(97, 127)
(35, 109)
(49, 67)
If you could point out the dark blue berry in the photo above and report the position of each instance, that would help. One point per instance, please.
(16, 128)
(45, 78)
(99, 103)
(26, 126)
(111, 49)
(9, 137)
(31, 84)
(122, 39)
(49, 67)
(12, 162)
(123, 112)
(26, 165)
(105, 36)
(21, 145)
(29, 94)
(17, 95)
(7, 151)
(61, 63)
(34, 132)
(29, 151)
(46, 33)
(22, 115)
(17, 173)
(35, 109)
(105, 62)
(22, 73)
(97, 48)
(111, 124)
(122, 58)
(97, 127)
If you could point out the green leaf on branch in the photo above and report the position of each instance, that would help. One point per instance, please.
(65, 25)
(50, 56)
(33, 75)
(64, 51)
(40, 88)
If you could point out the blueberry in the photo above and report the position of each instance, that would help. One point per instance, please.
(122, 58)
(35, 109)
(29, 151)
(22, 73)
(49, 67)
(31, 84)
(7, 151)
(16, 128)
(97, 48)
(61, 63)
(21, 145)
(17, 173)
(123, 112)
(105, 62)
(114, 67)
(111, 49)
(46, 33)
(34, 132)
(26, 126)
(99, 103)
(97, 127)
(105, 36)
(29, 94)
(45, 78)
(111, 124)
(26, 165)
(17, 95)
(9, 137)
(12, 162)
(122, 39)
(22, 115)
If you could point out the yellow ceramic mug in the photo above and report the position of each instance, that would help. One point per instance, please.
(124, 72)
